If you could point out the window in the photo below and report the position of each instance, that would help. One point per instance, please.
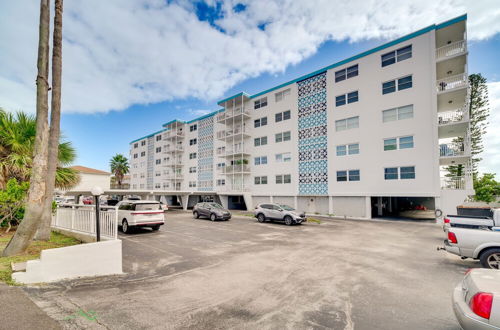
(136, 145)
(158, 161)
(260, 122)
(282, 95)
(158, 174)
(402, 83)
(404, 172)
(157, 185)
(192, 155)
(262, 160)
(158, 149)
(260, 141)
(192, 184)
(193, 128)
(340, 100)
(390, 144)
(396, 56)
(404, 142)
(260, 180)
(281, 137)
(192, 169)
(346, 98)
(143, 175)
(143, 153)
(143, 143)
(221, 182)
(221, 165)
(352, 97)
(351, 175)
(192, 142)
(284, 157)
(348, 149)
(347, 73)
(135, 155)
(283, 178)
(349, 123)
(158, 138)
(400, 113)
(260, 103)
(280, 116)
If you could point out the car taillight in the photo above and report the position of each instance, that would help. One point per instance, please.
(481, 303)
(452, 238)
(446, 220)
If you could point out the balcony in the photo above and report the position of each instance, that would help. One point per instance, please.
(238, 133)
(236, 152)
(451, 50)
(236, 169)
(175, 149)
(173, 163)
(170, 135)
(453, 123)
(459, 81)
(174, 176)
(233, 188)
(454, 153)
(234, 115)
(456, 183)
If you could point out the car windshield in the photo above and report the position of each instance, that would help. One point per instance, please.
(286, 207)
(215, 205)
(147, 207)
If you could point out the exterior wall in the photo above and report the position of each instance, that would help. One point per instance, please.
(350, 206)
(88, 181)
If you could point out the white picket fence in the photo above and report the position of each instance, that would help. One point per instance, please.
(80, 218)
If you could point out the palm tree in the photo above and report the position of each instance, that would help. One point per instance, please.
(17, 139)
(119, 167)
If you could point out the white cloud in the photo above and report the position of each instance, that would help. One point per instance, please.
(123, 52)
(491, 154)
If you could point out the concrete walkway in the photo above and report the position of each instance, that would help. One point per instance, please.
(19, 312)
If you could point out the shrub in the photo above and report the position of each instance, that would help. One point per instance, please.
(12, 201)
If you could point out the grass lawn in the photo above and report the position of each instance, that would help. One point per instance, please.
(33, 252)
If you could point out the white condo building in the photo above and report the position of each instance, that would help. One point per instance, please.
(365, 137)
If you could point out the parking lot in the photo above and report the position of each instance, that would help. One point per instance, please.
(198, 274)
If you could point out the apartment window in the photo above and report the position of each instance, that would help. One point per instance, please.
(403, 173)
(221, 165)
(346, 73)
(260, 103)
(350, 175)
(193, 128)
(283, 178)
(260, 141)
(284, 157)
(157, 186)
(262, 160)
(396, 56)
(192, 169)
(400, 113)
(221, 182)
(281, 137)
(158, 161)
(143, 153)
(404, 142)
(158, 138)
(192, 142)
(143, 143)
(192, 155)
(348, 123)
(260, 180)
(346, 98)
(401, 83)
(348, 149)
(192, 184)
(135, 155)
(136, 145)
(280, 116)
(282, 95)
(260, 122)
(143, 175)
(158, 149)
(158, 174)
(340, 100)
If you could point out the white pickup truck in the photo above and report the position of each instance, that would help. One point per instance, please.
(472, 222)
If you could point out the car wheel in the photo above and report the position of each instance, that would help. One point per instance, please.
(261, 217)
(213, 217)
(125, 227)
(491, 259)
(196, 215)
(156, 228)
(288, 220)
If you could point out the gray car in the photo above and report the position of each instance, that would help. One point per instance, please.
(212, 211)
(279, 212)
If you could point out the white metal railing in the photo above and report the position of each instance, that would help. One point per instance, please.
(235, 151)
(452, 149)
(452, 82)
(173, 149)
(231, 113)
(236, 168)
(453, 183)
(452, 49)
(172, 134)
(221, 151)
(235, 188)
(453, 116)
(79, 218)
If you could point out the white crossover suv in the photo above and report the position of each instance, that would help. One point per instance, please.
(137, 213)
(279, 212)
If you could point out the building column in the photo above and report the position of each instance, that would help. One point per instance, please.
(330, 204)
(184, 201)
(271, 199)
(379, 206)
(295, 202)
(368, 207)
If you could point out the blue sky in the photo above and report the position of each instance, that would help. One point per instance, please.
(155, 61)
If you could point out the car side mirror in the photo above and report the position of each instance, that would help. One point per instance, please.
(281, 210)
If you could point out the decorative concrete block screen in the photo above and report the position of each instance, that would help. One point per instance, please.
(206, 154)
(313, 162)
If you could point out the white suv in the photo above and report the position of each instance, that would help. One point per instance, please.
(137, 213)
(278, 212)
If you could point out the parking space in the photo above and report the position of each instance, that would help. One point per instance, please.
(198, 274)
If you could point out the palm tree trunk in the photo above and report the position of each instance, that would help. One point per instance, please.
(43, 232)
(26, 230)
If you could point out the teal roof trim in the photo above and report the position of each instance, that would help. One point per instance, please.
(150, 135)
(205, 116)
(173, 121)
(451, 21)
(234, 96)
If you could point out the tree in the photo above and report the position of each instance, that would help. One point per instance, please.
(35, 202)
(478, 114)
(17, 138)
(119, 167)
(43, 232)
(487, 188)
(12, 200)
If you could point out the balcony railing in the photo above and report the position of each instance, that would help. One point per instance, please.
(230, 132)
(173, 134)
(231, 113)
(453, 183)
(236, 169)
(450, 50)
(452, 82)
(452, 149)
(174, 149)
(236, 151)
(235, 188)
(453, 116)
(173, 163)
